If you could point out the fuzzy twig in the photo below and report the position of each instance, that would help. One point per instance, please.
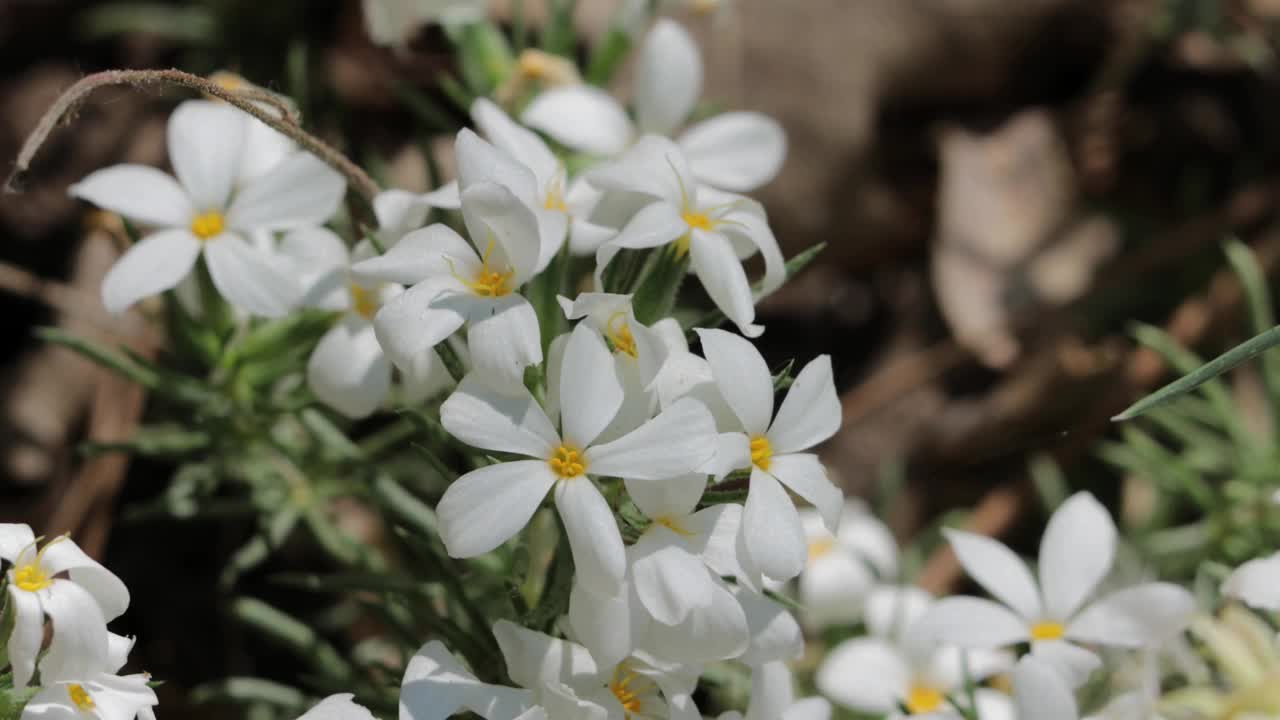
(280, 118)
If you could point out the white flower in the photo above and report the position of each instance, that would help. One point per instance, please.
(1256, 583)
(1076, 552)
(772, 696)
(453, 285)
(717, 229)
(738, 151)
(900, 664)
(79, 606)
(1041, 693)
(486, 507)
(394, 22)
(773, 450)
(400, 212)
(99, 693)
(337, 707)
(200, 215)
(842, 568)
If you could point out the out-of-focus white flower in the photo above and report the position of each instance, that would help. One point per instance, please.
(400, 212)
(772, 447)
(900, 663)
(1256, 583)
(79, 606)
(773, 696)
(394, 22)
(204, 214)
(452, 285)
(338, 707)
(485, 507)
(842, 568)
(1076, 552)
(1041, 693)
(717, 229)
(98, 693)
(737, 151)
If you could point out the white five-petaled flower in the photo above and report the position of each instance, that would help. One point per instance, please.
(203, 213)
(1076, 553)
(899, 664)
(738, 151)
(98, 693)
(772, 447)
(79, 606)
(843, 567)
(338, 707)
(486, 507)
(717, 229)
(1256, 583)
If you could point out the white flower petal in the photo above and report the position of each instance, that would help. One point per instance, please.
(205, 142)
(156, 263)
(716, 538)
(523, 145)
(653, 167)
(602, 624)
(772, 692)
(771, 527)
(1256, 583)
(668, 79)
(400, 212)
(811, 708)
(348, 370)
(810, 413)
(972, 622)
(742, 377)
(733, 451)
(1072, 662)
(833, 588)
(891, 610)
(421, 254)
(27, 636)
(676, 442)
(535, 660)
(736, 151)
(669, 580)
(1039, 693)
(14, 538)
(668, 497)
(482, 416)
(722, 276)
(264, 148)
(486, 507)
(413, 323)
(997, 569)
(582, 117)
(79, 648)
(716, 632)
(140, 193)
(863, 534)
(947, 667)
(479, 161)
(64, 555)
(1144, 615)
(298, 192)
(505, 340)
(599, 559)
(804, 474)
(590, 393)
(249, 278)
(656, 224)
(865, 674)
(337, 707)
(494, 216)
(1076, 551)
(436, 686)
(775, 634)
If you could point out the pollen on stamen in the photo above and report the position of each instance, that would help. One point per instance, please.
(1047, 630)
(620, 335)
(81, 697)
(821, 547)
(487, 282)
(923, 699)
(698, 220)
(627, 694)
(567, 462)
(208, 224)
(761, 452)
(364, 301)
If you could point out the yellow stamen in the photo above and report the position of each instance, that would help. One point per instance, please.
(761, 452)
(567, 462)
(923, 699)
(619, 334)
(555, 199)
(487, 282)
(32, 577)
(364, 302)
(673, 525)
(820, 547)
(1047, 630)
(698, 220)
(207, 224)
(628, 696)
(81, 698)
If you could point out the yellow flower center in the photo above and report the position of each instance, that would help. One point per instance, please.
(81, 698)
(228, 80)
(628, 695)
(364, 302)
(821, 547)
(487, 281)
(698, 220)
(761, 452)
(207, 224)
(673, 525)
(555, 196)
(534, 64)
(567, 462)
(924, 699)
(1047, 630)
(31, 576)
(620, 335)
